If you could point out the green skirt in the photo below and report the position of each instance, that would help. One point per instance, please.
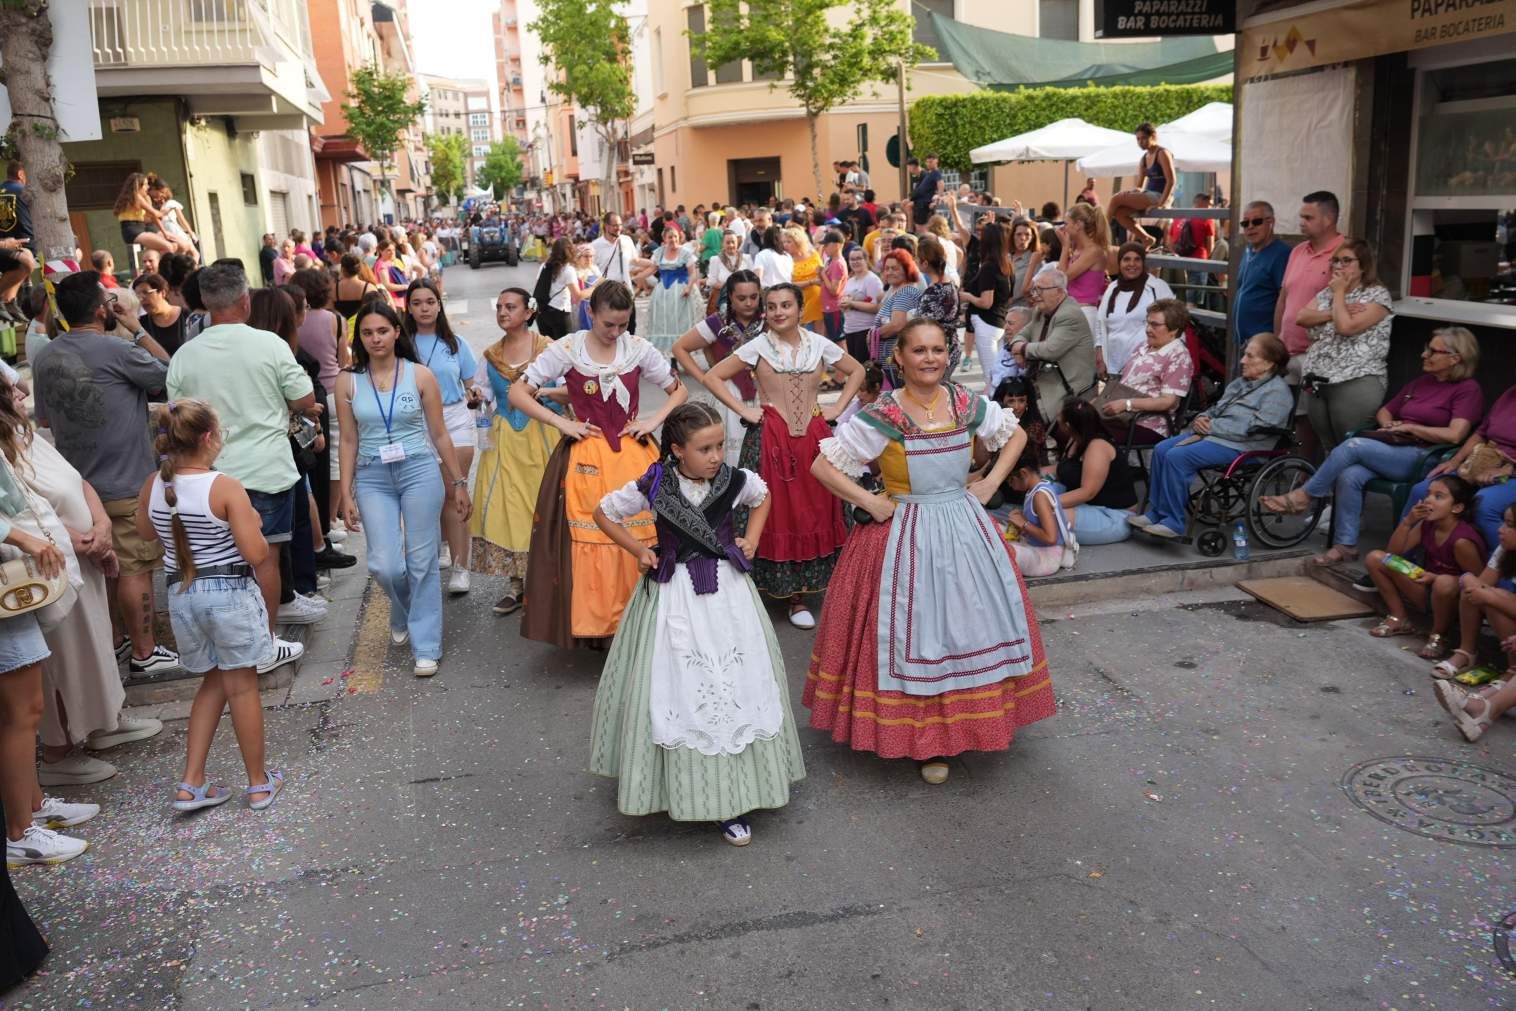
(688, 785)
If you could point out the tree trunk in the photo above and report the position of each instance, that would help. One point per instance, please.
(612, 198)
(810, 121)
(26, 39)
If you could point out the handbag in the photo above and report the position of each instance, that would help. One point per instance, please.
(1484, 462)
(1117, 392)
(24, 588)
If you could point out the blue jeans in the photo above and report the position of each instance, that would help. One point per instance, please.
(1490, 505)
(1173, 470)
(1095, 524)
(220, 623)
(1352, 465)
(401, 505)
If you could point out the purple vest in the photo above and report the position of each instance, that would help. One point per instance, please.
(700, 536)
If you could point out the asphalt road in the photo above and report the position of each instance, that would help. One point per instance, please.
(1177, 837)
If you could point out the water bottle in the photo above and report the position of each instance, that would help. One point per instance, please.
(1240, 543)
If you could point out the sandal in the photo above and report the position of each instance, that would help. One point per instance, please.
(1392, 627)
(204, 795)
(1435, 647)
(1284, 504)
(271, 789)
(736, 831)
(1472, 727)
(1335, 556)
(1449, 668)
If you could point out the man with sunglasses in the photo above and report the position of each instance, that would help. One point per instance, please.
(1261, 273)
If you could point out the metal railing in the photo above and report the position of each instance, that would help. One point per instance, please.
(127, 33)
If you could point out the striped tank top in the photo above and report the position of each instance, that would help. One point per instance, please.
(210, 538)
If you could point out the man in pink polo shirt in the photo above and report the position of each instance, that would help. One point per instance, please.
(1308, 269)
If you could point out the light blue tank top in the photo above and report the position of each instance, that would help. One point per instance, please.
(407, 423)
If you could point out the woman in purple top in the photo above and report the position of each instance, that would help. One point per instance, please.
(1497, 487)
(1442, 405)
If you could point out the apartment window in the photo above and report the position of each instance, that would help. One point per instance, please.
(727, 73)
(656, 56)
(574, 142)
(698, 72)
(925, 33)
(481, 133)
(203, 11)
(1058, 19)
(94, 185)
(481, 150)
(674, 180)
(249, 189)
(478, 119)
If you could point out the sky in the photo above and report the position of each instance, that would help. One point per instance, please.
(452, 38)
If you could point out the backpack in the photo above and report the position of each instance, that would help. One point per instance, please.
(543, 289)
(1184, 242)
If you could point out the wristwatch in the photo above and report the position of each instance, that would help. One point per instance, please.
(1129, 405)
(462, 482)
(136, 339)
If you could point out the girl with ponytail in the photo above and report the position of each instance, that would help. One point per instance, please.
(212, 539)
(719, 335)
(695, 629)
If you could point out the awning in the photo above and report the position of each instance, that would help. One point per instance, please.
(1004, 62)
(1065, 140)
(1191, 153)
(1214, 119)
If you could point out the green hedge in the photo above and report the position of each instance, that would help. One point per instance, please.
(953, 125)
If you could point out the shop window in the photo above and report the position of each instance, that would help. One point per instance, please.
(94, 186)
(1463, 208)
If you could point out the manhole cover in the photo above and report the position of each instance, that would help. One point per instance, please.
(1441, 799)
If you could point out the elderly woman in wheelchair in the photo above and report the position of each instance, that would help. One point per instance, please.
(1247, 423)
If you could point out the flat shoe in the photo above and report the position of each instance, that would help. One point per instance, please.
(507, 604)
(1159, 530)
(1391, 627)
(1449, 696)
(205, 795)
(1450, 668)
(270, 790)
(802, 618)
(934, 771)
(736, 831)
(425, 668)
(1139, 520)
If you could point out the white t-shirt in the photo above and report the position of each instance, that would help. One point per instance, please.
(560, 298)
(774, 267)
(866, 287)
(171, 221)
(615, 258)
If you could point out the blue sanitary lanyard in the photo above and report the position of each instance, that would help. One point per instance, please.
(393, 387)
(435, 341)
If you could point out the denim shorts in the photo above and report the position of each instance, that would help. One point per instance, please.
(21, 642)
(277, 510)
(219, 622)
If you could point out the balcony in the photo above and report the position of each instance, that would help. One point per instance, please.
(249, 59)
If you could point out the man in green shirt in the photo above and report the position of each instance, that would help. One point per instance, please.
(252, 380)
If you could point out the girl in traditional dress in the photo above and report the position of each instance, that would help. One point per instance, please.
(676, 305)
(716, 337)
(692, 714)
(800, 543)
(579, 582)
(511, 467)
(928, 646)
(589, 276)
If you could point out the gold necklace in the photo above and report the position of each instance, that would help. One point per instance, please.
(930, 409)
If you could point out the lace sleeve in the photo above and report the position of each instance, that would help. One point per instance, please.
(754, 490)
(624, 503)
(997, 427)
(853, 446)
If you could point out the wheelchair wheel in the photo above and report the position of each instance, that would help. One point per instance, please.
(1212, 543)
(1280, 477)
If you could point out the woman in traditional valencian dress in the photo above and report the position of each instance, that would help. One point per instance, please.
(928, 646)
(511, 466)
(676, 303)
(692, 714)
(579, 580)
(737, 321)
(805, 531)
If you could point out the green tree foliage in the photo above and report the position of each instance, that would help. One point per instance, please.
(501, 170)
(953, 125)
(378, 111)
(586, 40)
(447, 152)
(825, 51)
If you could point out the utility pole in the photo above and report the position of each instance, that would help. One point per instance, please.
(905, 190)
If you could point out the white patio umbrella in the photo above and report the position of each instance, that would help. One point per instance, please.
(1065, 140)
(1191, 153)
(1213, 120)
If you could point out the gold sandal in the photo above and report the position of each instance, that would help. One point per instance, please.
(1391, 627)
(1435, 648)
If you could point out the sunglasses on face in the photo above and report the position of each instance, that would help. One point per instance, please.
(1254, 222)
(1343, 261)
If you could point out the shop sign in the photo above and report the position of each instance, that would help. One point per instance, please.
(642, 157)
(1365, 30)
(1121, 19)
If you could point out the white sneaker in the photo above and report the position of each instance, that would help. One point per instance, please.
(338, 535)
(74, 770)
(445, 558)
(425, 668)
(55, 813)
(128, 729)
(300, 611)
(323, 581)
(160, 661)
(39, 845)
(458, 582)
(401, 637)
(284, 652)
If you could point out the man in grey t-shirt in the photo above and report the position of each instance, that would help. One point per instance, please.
(92, 390)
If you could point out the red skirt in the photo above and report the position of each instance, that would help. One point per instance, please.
(842, 693)
(805, 520)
